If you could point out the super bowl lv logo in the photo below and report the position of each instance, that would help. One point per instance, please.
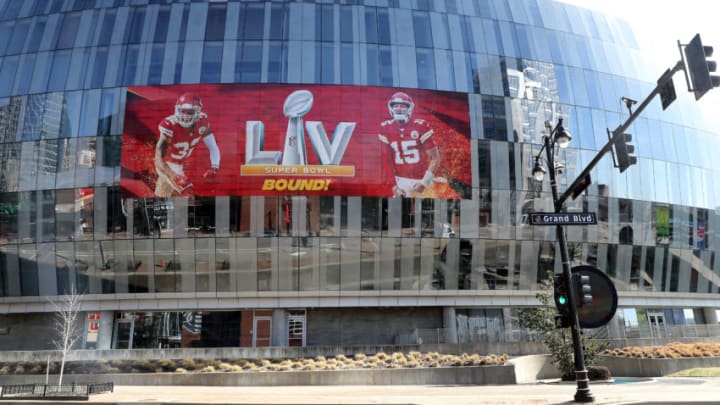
(292, 161)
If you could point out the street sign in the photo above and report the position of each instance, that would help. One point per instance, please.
(565, 218)
(602, 308)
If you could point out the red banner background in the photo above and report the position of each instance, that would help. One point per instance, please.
(230, 106)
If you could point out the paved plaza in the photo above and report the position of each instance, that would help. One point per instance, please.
(649, 391)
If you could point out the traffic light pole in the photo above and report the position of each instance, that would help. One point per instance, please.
(618, 133)
(582, 394)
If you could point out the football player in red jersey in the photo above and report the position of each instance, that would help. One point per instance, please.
(410, 144)
(179, 135)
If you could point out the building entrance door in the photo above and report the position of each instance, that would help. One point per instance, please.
(657, 324)
(296, 328)
(262, 328)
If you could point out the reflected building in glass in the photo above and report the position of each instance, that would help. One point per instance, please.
(360, 266)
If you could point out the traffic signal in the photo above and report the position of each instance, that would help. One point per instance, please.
(561, 293)
(562, 319)
(699, 68)
(624, 150)
(583, 289)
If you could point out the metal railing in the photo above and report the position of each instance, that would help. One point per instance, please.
(64, 390)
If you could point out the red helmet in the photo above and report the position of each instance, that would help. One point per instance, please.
(401, 99)
(187, 109)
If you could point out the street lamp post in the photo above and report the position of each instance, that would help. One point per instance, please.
(561, 137)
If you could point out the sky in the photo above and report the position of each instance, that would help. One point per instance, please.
(658, 25)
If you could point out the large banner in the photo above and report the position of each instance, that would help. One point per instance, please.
(273, 139)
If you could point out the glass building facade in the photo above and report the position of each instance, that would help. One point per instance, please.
(258, 270)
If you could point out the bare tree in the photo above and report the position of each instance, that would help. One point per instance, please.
(67, 329)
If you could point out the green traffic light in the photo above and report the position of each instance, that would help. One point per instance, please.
(562, 300)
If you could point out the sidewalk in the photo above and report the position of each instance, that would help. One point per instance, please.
(651, 391)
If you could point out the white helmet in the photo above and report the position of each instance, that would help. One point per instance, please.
(404, 99)
(187, 109)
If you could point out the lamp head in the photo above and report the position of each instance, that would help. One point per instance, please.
(562, 137)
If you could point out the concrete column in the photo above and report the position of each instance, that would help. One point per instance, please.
(711, 317)
(615, 328)
(279, 328)
(450, 325)
(105, 330)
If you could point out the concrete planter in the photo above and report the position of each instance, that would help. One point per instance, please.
(479, 375)
(634, 367)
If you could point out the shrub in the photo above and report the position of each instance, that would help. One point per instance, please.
(598, 373)
(672, 350)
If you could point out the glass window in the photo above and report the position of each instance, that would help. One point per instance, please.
(278, 22)
(130, 56)
(89, 113)
(68, 31)
(28, 270)
(106, 29)
(48, 163)
(178, 63)
(17, 41)
(211, 62)
(346, 24)
(32, 123)
(425, 68)
(161, 24)
(85, 169)
(327, 23)
(108, 110)
(248, 65)
(195, 17)
(9, 208)
(423, 30)
(134, 33)
(41, 72)
(347, 64)
(386, 66)
(77, 71)
(254, 22)
(10, 154)
(383, 26)
(371, 26)
(277, 62)
(327, 65)
(36, 35)
(64, 214)
(8, 70)
(25, 72)
(178, 18)
(10, 10)
(509, 39)
(494, 118)
(157, 57)
(215, 28)
(681, 142)
(6, 30)
(107, 160)
(66, 157)
(372, 63)
(59, 71)
(97, 72)
(70, 121)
